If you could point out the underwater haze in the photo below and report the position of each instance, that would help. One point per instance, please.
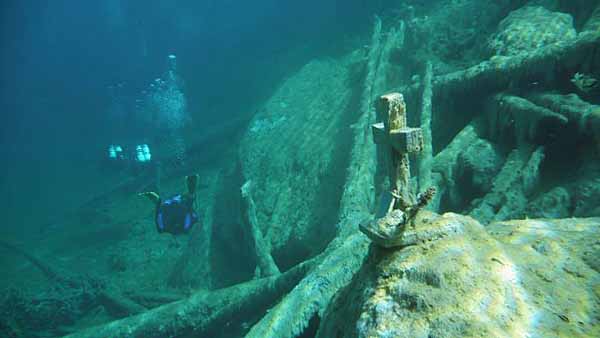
(60, 59)
(390, 168)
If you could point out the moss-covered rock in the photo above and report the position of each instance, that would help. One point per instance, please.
(530, 28)
(513, 279)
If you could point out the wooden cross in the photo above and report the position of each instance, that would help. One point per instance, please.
(397, 140)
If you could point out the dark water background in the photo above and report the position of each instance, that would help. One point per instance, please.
(59, 57)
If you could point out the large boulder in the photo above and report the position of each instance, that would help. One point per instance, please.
(529, 278)
(530, 28)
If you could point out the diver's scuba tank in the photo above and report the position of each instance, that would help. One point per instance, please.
(119, 152)
(147, 154)
(115, 152)
(139, 154)
(116, 159)
(142, 153)
(112, 152)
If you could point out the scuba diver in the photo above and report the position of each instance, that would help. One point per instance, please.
(116, 159)
(119, 159)
(176, 215)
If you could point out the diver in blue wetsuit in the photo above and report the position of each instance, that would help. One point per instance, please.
(176, 215)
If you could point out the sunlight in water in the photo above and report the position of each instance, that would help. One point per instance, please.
(516, 300)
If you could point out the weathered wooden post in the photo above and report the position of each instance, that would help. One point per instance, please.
(397, 141)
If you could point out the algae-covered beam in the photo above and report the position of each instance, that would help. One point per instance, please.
(118, 305)
(445, 162)
(264, 260)
(373, 59)
(584, 114)
(44, 268)
(358, 198)
(511, 188)
(202, 311)
(426, 158)
(345, 253)
(529, 122)
(500, 72)
(152, 299)
(113, 301)
(312, 295)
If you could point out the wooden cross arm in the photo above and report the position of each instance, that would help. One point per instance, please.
(403, 140)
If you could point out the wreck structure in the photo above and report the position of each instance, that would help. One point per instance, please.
(334, 234)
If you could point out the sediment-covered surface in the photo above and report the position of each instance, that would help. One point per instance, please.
(295, 152)
(529, 278)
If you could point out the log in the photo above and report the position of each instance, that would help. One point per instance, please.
(500, 72)
(264, 260)
(584, 114)
(445, 163)
(44, 268)
(202, 311)
(358, 199)
(530, 123)
(118, 305)
(511, 187)
(373, 58)
(344, 255)
(153, 299)
(426, 157)
(312, 295)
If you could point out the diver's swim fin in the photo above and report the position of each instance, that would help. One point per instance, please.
(192, 183)
(154, 197)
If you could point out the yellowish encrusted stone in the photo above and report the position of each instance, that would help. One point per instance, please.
(512, 279)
